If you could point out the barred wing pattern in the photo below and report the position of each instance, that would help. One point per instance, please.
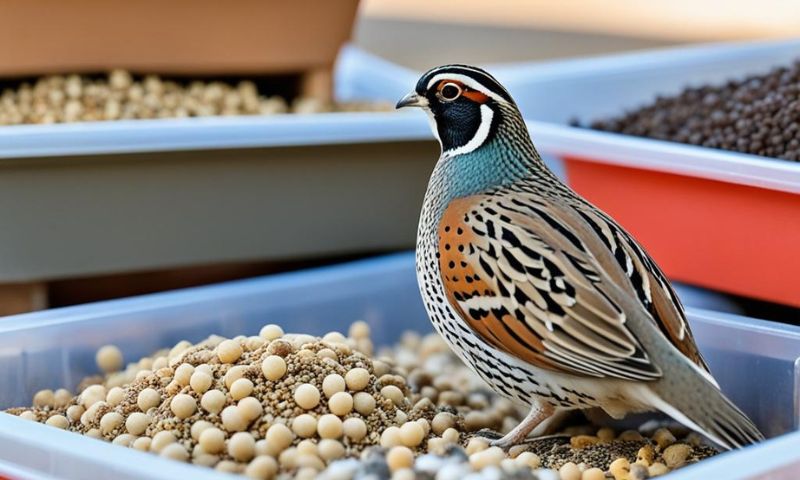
(527, 285)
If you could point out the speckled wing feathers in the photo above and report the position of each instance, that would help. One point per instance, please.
(529, 286)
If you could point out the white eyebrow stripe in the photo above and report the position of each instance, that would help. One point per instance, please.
(468, 81)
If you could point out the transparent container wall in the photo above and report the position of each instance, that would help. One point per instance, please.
(753, 360)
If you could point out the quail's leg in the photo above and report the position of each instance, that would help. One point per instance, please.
(537, 415)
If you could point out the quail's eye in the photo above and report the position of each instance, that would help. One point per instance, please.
(450, 91)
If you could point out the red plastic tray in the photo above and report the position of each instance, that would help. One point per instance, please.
(730, 237)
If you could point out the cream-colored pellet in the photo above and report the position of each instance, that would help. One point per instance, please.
(161, 440)
(205, 460)
(606, 434)
(94, 433)
(391, 437)
(330, 449)
(175, 451)
(58, 421)
(393, 393)
(212, 440)
(229, 351)
(143, 374)
(227, 466)
(442, 421)
(109, 358)
(200, 382)
(475, 445)
(279, 437)
(364, 403)
(528, 459)
(334, 337)
(27, 415)
(354, 428)
(242, 446)
(569, 471)
(270, 332)
(329, 426)
(62, 397)
(142, 444)
(124, 439)
(657, 469)
(74, 413)
(44, 398)
(306, 396)
(92, 394)
(198, 428)
(593, 474)
(262, 467)
(328, 353)
(341, 403)
(233, 374)
(250, 408)
(147, 399)
(451, 435)
(484, 458)
(115, 396)
(664, 438)
(241, 388)
(412, 434)
(183, 374)
(304, 425)
(288, 458)
(233, 420)
(183, 405)
(307, 446)
(620, 468)
(359, 330)
(213, 401)
(333, 384)
(109, 422)
(137, 423)
(357, 379)
(675, 455)
(399, 458)
(273, 367)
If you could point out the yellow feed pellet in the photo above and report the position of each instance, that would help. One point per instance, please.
(364, 403)
(58, 421)
(399, 458)
(273, 367)
(137, 423)
(250, 408)
(233, 420)
(175, 451)
(329, 426)
(569, 471)
(198, 428)
(241, 388)
(212, 440)
(391, 437)
(593, 474)
(329, 449)
(183, 405)
(341, 403)
(147, 399)
(213, 401)
(354, 428)
(109, 358)
(412, 434)
(307, 396)
(229, 351)
(357, 379)
(271, 332)
(200, 381)
(261, 467)
(332, 384)
(304, 425)
(242, 446)
(183, 374)
(109, 422)
(280, 437)
(161, 440)
(359, 330)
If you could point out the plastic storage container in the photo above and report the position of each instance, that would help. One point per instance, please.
(753, 360)
(717, 219)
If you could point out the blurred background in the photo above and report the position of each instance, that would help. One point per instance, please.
(94, 209)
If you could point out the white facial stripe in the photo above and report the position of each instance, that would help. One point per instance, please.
(487, 114)
(468, 82)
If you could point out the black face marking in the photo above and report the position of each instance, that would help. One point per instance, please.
(458, 117)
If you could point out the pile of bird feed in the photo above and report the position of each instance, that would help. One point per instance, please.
(119, 95)
(296, 406)
(759, 114)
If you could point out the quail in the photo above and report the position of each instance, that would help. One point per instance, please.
(541, 293)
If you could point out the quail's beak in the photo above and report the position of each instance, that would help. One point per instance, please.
(412, 100)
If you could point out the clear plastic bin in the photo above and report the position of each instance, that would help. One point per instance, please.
(737, 213)
(754, 360)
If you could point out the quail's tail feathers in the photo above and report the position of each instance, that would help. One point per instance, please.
(697, 403)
